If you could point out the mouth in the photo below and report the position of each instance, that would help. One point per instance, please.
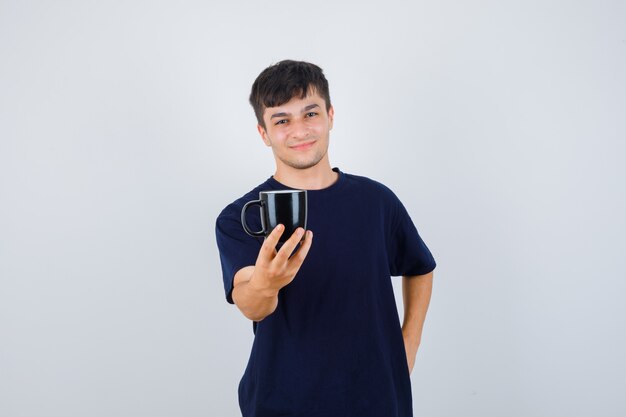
(303, 146)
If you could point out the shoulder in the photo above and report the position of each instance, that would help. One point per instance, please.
(376, 194)
(370, 186)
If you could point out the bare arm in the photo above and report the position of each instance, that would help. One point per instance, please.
(416, 292)
(255, 288)
(253, 303)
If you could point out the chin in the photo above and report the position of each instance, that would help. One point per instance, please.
(297, 165)
(303, 164)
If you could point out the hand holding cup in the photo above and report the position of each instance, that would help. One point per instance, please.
(274, 269)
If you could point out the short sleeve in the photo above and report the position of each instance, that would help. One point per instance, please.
(237, 249)
(408, 254)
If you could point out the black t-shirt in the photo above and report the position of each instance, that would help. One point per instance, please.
(333, 346)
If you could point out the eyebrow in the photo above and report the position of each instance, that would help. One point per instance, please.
(304, 110)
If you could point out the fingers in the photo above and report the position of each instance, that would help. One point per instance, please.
(290, 245)
(268, 249)
(299, 256)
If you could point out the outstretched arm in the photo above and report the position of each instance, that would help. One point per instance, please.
(416, 291)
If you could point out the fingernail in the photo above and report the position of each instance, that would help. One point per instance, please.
(300, 232)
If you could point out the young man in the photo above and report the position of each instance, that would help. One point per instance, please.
(328, 340)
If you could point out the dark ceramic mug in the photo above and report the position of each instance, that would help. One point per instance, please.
(286, 207)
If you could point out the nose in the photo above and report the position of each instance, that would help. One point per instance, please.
(299, 130)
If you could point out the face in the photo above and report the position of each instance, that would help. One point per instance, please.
(298, 131)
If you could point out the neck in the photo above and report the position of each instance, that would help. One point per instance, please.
(317, 177)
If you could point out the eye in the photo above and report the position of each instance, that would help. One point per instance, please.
(281, 122)
(311, 114)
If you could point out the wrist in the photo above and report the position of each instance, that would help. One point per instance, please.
(258, 285)
(411, 334)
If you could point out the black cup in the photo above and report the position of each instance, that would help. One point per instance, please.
(286, 207)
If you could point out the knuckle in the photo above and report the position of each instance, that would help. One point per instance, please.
(275, 271)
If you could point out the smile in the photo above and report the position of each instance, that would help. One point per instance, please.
(303, 146)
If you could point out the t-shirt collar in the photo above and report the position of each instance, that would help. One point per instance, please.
(275, 185)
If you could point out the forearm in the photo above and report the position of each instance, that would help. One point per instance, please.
(416, 293)
(255, 303)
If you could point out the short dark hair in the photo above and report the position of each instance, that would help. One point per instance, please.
(281, 82)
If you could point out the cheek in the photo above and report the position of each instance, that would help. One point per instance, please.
(280, 135)
(321, 129)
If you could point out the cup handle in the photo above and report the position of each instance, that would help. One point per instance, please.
(261, 232)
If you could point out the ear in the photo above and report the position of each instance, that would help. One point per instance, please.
(331, 117)
(264, 136)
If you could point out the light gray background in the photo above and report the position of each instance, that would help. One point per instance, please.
(125, 129)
